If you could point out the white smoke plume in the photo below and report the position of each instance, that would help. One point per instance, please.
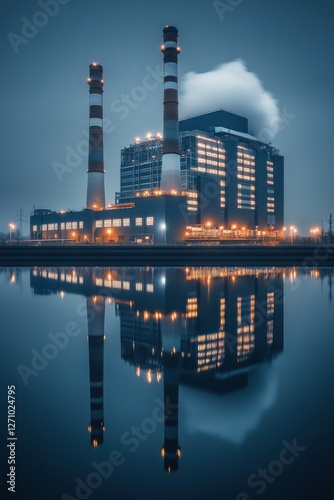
(233, 88)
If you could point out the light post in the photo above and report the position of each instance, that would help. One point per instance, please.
(11, 228)
(163, 228)
(293, 232)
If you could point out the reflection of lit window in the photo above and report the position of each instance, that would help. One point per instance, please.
(149, 221)
(139, 287)
(149, 288)
(126, 285)
(270, 332)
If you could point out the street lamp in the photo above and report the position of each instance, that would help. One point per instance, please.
(11, 228)
(163, 227)
(293, 232)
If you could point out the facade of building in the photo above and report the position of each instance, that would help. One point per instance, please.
(153, 219)
(229, 177)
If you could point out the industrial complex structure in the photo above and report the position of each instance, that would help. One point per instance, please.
(205, 175)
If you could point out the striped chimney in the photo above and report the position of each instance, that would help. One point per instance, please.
(95, 320)
(170, 171)
(95, 187)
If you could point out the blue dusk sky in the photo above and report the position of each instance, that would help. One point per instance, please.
(282, 49)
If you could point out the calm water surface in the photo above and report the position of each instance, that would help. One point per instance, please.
(169, 382)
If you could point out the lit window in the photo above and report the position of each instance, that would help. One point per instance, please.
(98, 223)
(149, 221)
(68, 225)
(126, 285)
(149, 288)
(81, 224)
(107, 223)
(51, 227)
(139, 221)
(44, 227)
(74, 225)
(126, 222)
(34, 228)
(62, 225)
(117, 222)
(139, 287)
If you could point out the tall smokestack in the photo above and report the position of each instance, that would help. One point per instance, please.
(95, 187)
(170, 171)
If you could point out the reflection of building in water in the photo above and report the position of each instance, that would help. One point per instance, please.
(205, 326)
(95, 321)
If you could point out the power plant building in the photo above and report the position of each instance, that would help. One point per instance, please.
(229, 177)
(205, 171)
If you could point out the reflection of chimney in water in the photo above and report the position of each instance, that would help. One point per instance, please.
(95, 320)
(171, 347)
(170, 170)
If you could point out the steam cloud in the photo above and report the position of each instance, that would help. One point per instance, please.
(235, 89)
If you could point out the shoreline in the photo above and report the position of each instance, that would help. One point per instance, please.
(167, 255)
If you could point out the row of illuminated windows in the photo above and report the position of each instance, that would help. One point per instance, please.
(210, 336)
(246, 186)
(192, 194)
(246, 169)
(244, 201)
(210, 154)
(68, 278)
(211, 162)
(247, 207)
(123, 285)
(246, 177)
(63, 225)
(125, 222)
(246, 162)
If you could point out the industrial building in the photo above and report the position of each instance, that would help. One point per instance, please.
(205, 173)
(229, 177)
